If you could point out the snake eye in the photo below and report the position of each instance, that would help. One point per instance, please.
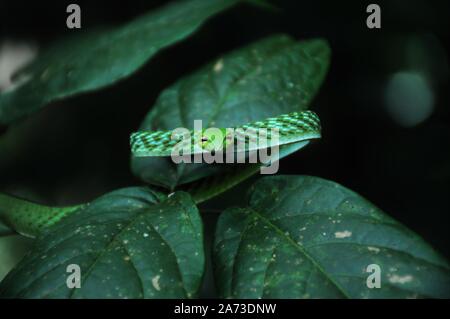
(204, 139)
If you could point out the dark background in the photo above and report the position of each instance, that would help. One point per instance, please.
(77, 149)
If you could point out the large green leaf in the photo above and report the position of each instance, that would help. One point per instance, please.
(128, 244)
(99, 58)
(305, 237)
(273, 76)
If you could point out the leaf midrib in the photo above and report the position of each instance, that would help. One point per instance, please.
(310, 258)
(232, 86)
(113, 240)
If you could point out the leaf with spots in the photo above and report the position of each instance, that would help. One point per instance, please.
(129, 244)
(272, 76)
(95, 59)
(305, 237)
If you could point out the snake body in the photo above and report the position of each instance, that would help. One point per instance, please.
(291, 128)
(28, 218)
(294, 128)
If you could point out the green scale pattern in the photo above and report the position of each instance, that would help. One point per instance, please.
(292, 127)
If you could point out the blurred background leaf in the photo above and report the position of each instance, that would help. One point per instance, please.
(96, 58)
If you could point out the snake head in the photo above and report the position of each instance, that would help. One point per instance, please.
(214, 139)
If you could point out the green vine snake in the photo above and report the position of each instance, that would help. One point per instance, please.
(29, 218)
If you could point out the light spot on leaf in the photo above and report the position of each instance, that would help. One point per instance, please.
(374, 249)
(155, 282)
(342, 234)
(218, 66)
(396, 279)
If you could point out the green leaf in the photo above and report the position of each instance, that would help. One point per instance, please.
(95, 59)
(127, 243)
(305, 237)
(273, 76)
(232, 175)
(12, 249)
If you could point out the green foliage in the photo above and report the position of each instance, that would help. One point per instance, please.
(298, 236)
(305, 237)
(273, 76)
(5, 230)
(129, 244)
(98, 58)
